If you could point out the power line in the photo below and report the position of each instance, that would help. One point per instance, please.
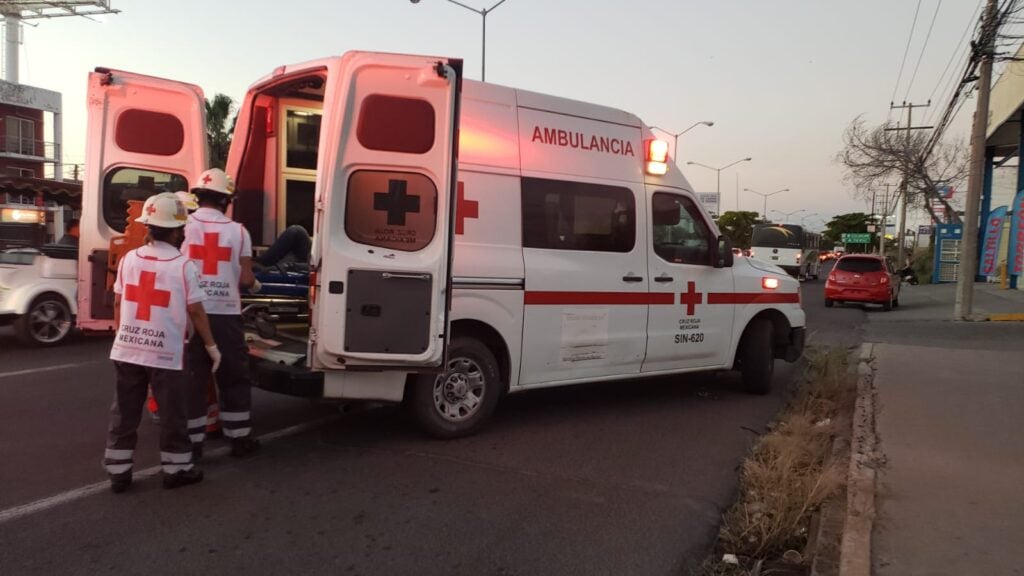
(953, 57)
(923, 47)
(905, 52)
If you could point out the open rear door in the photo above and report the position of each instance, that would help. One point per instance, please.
(384, 212)
(145, 135)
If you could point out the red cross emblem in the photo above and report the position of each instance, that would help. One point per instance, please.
(210, 252)
(691, 298)
(150, 210)
(464, 209)
(146, 295)
(207, 179)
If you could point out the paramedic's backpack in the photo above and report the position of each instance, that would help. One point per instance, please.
(134, 236)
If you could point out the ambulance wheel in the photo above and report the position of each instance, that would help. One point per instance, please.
(459, 401)
(47, 322)
(757, 357)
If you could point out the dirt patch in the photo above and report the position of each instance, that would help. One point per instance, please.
(790, 473)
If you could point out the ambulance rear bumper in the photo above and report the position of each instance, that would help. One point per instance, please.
(289, 380)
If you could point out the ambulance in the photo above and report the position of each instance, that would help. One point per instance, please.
(469, 240)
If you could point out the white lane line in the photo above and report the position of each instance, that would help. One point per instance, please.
(50, 368)
(84, 491)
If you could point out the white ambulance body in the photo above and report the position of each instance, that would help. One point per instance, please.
(564, 247)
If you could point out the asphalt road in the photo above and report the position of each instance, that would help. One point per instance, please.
(626, 478)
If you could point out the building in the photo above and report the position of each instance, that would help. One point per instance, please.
(35, 200)
(1004, 171)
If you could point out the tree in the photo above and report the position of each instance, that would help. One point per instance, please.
(218, 134)
(876, 155)
(738, 226)
(854, 222)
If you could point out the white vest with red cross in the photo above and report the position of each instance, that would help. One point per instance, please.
(156, 283)
(216, 244)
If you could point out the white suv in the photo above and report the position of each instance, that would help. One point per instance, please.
(37, 293)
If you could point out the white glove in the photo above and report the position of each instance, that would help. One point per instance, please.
(215, 357)
(256, 287)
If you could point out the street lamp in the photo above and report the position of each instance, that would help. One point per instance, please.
(483, 44)
(764, 212)
(718, 185)
(803, 219)
(787, 215)
(676, 135)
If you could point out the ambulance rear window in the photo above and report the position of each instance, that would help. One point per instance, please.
(124, 184)
(396, 124)
(392, 210)
(563, 215)
(147, 132)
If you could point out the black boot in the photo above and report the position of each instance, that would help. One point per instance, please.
(183, 478)
(242, 447)
(197, 453)
(120, 482)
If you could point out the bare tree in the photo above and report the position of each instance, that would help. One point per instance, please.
(874, 155)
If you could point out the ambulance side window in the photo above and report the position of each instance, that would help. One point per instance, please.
(563, 215)
(124, 184)
(680, 234)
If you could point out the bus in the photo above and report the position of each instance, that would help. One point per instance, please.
(789, 246)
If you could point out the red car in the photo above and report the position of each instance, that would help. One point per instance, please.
(863, 278)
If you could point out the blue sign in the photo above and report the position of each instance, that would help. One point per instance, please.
(993, 238)
(1016, 253)
(924, 230)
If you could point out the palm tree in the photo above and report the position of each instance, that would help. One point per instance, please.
(218, 134)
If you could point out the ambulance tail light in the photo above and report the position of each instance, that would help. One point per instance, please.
(769, 283)
(657, 157)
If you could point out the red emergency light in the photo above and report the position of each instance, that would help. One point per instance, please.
(657, 157)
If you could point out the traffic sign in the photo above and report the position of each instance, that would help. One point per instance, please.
(856, 238)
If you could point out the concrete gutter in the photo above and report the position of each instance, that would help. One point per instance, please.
(855, 551)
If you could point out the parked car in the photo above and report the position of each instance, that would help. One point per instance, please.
(37, 293)
(864, 278)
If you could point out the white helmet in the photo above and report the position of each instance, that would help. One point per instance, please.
(188, 199)
(214, 180)
(163, 210)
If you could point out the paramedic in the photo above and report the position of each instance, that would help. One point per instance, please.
(157, 293)
(222, 249)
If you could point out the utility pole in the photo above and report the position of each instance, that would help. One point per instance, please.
(900, 253)
(885, 215)
(969, 243)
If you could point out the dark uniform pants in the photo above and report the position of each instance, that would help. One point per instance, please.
(233, 384)
(171, 390)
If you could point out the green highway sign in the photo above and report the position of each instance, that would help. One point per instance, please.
(856, 238)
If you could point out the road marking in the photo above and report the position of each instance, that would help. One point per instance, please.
(85, 491)
(50, 368)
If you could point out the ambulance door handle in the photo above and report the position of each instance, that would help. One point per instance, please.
(390, 275)
(631, 278)
(663, 278)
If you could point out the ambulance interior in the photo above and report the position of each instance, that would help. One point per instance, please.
(275, 180)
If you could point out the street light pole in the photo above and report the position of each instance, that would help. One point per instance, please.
(483, 12)
(676, 135)
(764, 213)
(718, 185)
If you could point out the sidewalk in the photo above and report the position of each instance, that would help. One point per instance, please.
(950, 403)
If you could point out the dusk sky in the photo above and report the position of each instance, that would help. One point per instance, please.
(781, 79)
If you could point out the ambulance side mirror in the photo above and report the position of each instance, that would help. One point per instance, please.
(723, 254)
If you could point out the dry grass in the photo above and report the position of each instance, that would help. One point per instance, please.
(786, 477)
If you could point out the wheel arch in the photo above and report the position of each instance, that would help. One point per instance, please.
(491, 338)
(781, 328)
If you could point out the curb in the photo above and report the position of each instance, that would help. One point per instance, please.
(855, 551)
(1006, 317)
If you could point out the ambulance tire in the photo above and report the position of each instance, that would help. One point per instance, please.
(47, 322)
(757, 357)
(460, 401)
